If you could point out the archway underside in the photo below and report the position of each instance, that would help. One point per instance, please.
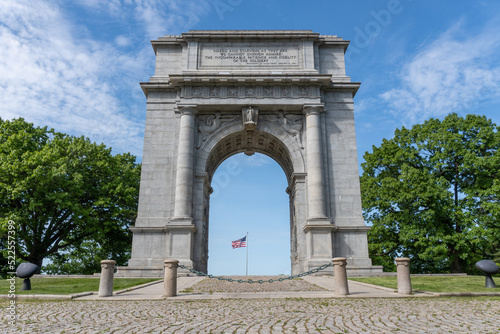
(250, 142)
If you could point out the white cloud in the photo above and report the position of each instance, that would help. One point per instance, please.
(451, 74)
(122, 40)
(160, 17)
(156, 17)
(111, 7)
(54, 73)
(49, 77)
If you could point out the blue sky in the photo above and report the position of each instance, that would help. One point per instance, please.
(76, 66)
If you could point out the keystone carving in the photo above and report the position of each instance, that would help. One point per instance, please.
(249, 116)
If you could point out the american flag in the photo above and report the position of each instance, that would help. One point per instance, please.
(239, 243)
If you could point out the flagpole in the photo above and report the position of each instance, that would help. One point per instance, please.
(247, 257)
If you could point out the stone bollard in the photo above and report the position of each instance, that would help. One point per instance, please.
(340, 286)
(404, 280)
(170, 280)
(106, 282)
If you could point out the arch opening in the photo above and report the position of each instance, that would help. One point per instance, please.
(249, 196)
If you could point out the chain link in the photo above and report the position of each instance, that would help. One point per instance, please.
(250, 281)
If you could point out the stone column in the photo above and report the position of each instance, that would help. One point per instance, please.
(185, 165)
(315, 191)
(404, 280)
(170, 279)
(340, 287)
(106, 281)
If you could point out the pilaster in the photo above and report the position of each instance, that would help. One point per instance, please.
(315, 179)
(183, 208)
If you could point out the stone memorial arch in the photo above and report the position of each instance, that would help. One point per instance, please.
(218, 93)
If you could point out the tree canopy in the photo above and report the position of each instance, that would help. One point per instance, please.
(432, 194)
(64, 192)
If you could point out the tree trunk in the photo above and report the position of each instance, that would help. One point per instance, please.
(36, 260)
(456, 261)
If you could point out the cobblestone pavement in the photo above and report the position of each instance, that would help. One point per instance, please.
(409, 315)
(215, 285)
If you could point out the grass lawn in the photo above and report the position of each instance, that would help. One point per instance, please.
(67, 286)
(436, 283)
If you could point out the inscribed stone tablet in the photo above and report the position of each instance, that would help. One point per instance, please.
(249, 56)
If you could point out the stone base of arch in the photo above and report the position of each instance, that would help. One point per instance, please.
(320, 239)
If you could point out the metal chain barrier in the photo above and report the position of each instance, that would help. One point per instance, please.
(281, 279)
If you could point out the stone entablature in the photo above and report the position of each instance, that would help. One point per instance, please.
(253, 51)
(217, 93)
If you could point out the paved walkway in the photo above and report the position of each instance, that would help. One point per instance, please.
(155, 291)
(144, 311)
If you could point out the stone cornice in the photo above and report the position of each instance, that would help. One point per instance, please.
(249, 35)
(155, 86)
(228, 35)
(332, 40)
(353, 228)
(163, 229)
(267, 35)
(324, 227)
(346, 86)
(236, 78)
(322, 81)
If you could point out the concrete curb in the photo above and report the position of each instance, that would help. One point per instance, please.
(433, 294)
(136, 287)
(392, 290)
(375, 286)
(81, 294)
(465, 294)
(38, 297)
(75, 295)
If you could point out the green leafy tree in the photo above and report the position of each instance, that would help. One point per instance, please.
(86, 258)
(62, 190)
(432, 194)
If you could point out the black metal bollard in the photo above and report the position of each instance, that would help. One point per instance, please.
(489, 268)
(26, 270)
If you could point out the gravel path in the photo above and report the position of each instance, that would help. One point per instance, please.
(215, 285)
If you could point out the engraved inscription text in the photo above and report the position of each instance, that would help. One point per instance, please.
(217, 56)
